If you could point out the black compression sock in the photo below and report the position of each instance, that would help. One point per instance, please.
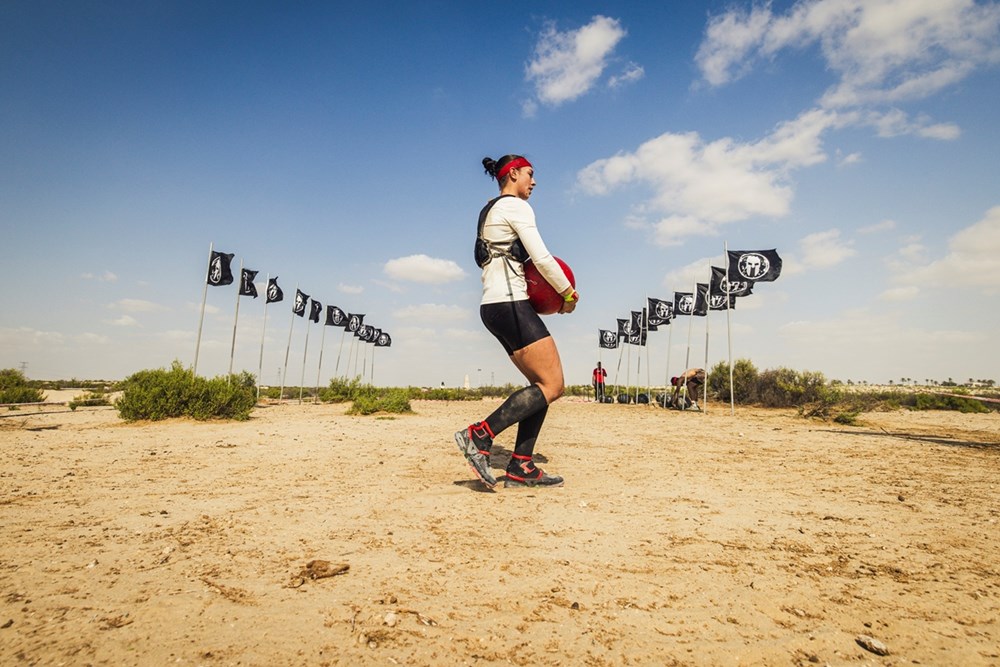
(521, 404)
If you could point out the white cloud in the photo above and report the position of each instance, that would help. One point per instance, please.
(973, 259)
(431, 312)
(137, 306)
(26, 337)
(566, 65)
(849, 159)
(106, 277)
(900, 294)
(697, 185)
(350, 289)
(882, 51)
(883, 226)
(631, 74)
(424, 269)
(825, 249)
(125, 321)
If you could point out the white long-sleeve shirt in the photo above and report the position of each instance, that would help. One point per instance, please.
(509, 219)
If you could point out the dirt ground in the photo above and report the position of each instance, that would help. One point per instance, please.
(679, 539)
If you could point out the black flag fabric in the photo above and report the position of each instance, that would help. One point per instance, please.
(637, 338)
(299, 307)
(362, 331)
(373, 335)
(718, 302)
(354, 321)
(335, 317)
(315, 310)
(607, 339)
(624, 328)
(683, 303)
(701, 300)
(247, 288)
(383, 340)
(219, 269)
(660, 312)
(637, 321)
(720, 284)
(759, 266)
(274, 292)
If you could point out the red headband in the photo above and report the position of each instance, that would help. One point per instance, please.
(516, 163)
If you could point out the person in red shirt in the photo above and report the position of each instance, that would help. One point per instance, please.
(599, 375)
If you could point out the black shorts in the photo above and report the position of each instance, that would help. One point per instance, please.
(514, 323)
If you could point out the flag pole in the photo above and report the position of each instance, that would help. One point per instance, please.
(704, 403)
(645, 325)
(236, 319)
(687, 354)
(284, 372)
(305, 352)
(618, 368)
(319, 367)
(729, 332)
(666, 381)
(201, 319)
(263, 333)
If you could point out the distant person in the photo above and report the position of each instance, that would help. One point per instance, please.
(507, 238)
(694, 380)
(599, 376)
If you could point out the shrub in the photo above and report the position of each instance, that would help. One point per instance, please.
(89, 398)
(162, 394)
(785, 388)
(14, 388)
(390, 400)
(745, 378)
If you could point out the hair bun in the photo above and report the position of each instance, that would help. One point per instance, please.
(490, 165)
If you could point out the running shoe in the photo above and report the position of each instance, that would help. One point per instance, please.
(543, 479)
(478, 460)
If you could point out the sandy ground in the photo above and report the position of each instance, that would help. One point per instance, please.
(679, 539)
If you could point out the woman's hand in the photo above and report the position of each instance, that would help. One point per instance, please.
(569, 302)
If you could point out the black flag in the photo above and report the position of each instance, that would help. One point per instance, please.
(683, 303)
(760, 266)
(637, 338)
(362, 331)
(335, 317)
(638, 323)
(274, 292)
(660, 312)
(219, 271)
(247, 288)
(701, 300)
(315, 309)
(720, 284)
(383, 340)
(299, 307)
(607, 339)
(624, 328)
(718, 302)
(354, 321)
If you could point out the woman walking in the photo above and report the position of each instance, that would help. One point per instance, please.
(508, 237)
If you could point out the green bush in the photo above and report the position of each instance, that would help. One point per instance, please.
(785, 388)
(745, 390)
(389, 400)
(14, 388)
(178, 392)
(89, 398)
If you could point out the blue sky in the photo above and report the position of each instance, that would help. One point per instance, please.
(339, 148)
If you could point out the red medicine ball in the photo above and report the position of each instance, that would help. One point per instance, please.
(544, 299)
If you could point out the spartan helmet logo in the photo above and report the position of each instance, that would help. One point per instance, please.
(609, 337)
(338, 316)
(627, 327)
(382, 339)
(662, 310)
(717, 300)
(686, 304)
(300, 303)
(353, 324)
(363, 331)
(215, 272)
(272, 292)
(753, 265)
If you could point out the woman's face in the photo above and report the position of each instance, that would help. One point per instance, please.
(522, 181)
